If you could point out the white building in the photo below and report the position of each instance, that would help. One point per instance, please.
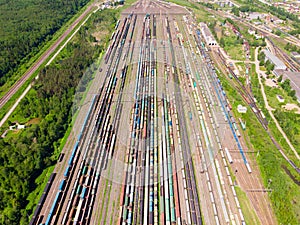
(208, 37)
(251, 32)
(279, 65)
(241, 109)
(280, 98)
(17, 126)
(256, 16)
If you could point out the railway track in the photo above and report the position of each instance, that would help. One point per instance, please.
(152, 166)
(195, 211)
(191, 78)
(138, 198)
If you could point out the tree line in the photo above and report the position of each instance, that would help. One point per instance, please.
(26, 25)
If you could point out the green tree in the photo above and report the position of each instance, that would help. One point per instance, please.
(235, 10)
(286, 85)
(292, 93)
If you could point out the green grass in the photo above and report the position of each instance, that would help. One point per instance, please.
(248, 212)
(200, 14)
(241, 67)
(127, 4)
(234, 48)
(272, 92)
(104, 194)
(252, 53)
(235, 52)
(11, 133)
(111, 218)
(262, 68)
(272, 127)
(16, 116)
(232, 44)
(287, 150)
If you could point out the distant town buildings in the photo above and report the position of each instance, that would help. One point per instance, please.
(109, 4)
(225, 3)
(292, 7)
(252, 32)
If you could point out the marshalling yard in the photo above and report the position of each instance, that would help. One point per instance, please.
(155, 141)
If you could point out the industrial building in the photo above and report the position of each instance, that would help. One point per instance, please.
(225, 3)
(208, 37)
(295, 56)
(256, 16)
(279, 65)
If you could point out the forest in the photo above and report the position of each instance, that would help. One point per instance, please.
(26, 154)
(26, 25)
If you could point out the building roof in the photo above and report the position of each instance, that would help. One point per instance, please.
(280, 98)
(209, 38)
(256, 15)
(295, 54)
(276, 61)
(241, 109)
(205, 30)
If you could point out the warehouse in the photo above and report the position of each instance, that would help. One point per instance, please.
(279, 65)
(208, 37)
